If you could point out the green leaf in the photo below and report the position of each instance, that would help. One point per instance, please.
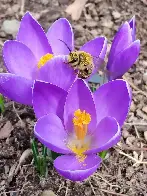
(2, 106)
(103, 154)
(35, 152)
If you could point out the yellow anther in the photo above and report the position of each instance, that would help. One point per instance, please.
(77, 113)
(81, 121)
(44, 59)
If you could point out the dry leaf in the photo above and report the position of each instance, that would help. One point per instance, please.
(76, 8)
(6, 130)
(23, 157)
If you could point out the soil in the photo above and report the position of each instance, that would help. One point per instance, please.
(124, 171)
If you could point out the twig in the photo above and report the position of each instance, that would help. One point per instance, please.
(1, 43)
(137, 124)
(22, 7)
(60, 187)
(125, 147)
(135, 87)
(66, 191)
(17, 114)
(141, 156)
(113, 193)
(111, 185)
(136, 132)
(130, 157)
(92, 187)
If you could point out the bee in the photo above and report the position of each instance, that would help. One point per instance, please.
(82, 62)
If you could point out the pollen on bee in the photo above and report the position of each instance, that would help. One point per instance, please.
(44, 60)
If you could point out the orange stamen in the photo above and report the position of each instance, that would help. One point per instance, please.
(81, 121)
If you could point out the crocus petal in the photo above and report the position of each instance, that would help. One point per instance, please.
(33, 36)
(106, 135)
(124, 60)
(97, 48)
(19, 59)
(57, 72)
(50, 132)
(61, 37)
(133, 28)
(121, 41)
(79, 97)
(69, 166)
(48, 98)
(113, 99)
(17, 88)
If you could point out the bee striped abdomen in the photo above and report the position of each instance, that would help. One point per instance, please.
(81, 61)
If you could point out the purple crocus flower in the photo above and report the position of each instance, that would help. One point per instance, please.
(124, 50)
(28, 58)
(79, 123)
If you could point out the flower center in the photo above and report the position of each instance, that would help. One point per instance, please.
(81, 121)
(79, 143)
(44, 59)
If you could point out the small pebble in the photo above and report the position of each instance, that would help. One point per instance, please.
(12, 10)
(144, 109)
(145, 77)
(116, 14)
(125, 133)
(107, 23)
(48, 193)
(45, 2)
(91, 23)
(133, 107)
(144, 63)
(11, 27)
(145, 135)
(130, 140)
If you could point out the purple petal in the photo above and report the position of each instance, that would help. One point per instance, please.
(124, 60)
(121, 41)
(106, 135)
(79, 97)
(57, 72)
(32, 35)
(132, 24)
(17, 88)
(48, 98)
(61, 30)
(113, 99)
(96, 47)
(19, 59)
(50, 132)
(69, 166)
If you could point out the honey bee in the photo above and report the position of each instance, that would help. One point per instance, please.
(82, 62)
